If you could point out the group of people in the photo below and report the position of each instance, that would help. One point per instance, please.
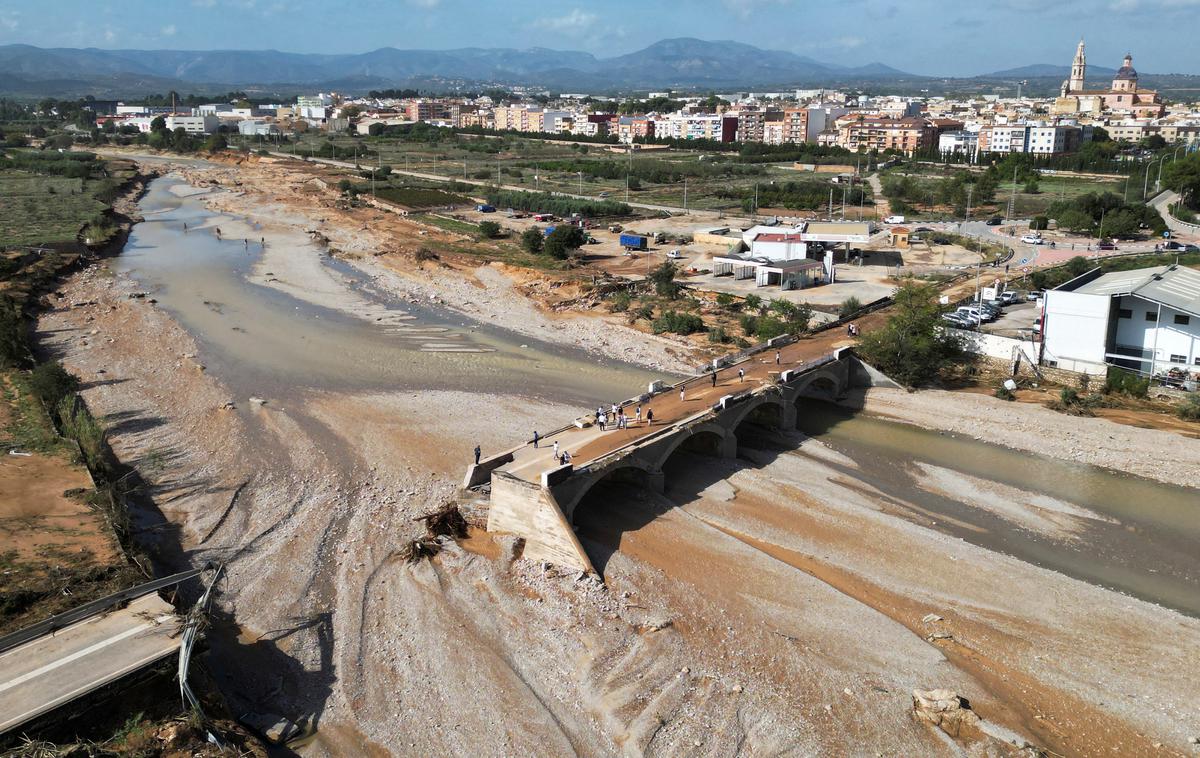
(852, 329)
(616, 418)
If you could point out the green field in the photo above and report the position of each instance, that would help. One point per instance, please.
(715, 182)
(37, 209)
(419, 197)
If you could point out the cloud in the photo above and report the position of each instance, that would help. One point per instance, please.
(427, 4)
(745, 8)
(10, 20)
(110, 35)
(575, 21)
(168, 30)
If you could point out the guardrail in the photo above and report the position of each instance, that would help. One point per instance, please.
(54, 623)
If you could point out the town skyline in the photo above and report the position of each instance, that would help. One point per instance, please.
(969, 42)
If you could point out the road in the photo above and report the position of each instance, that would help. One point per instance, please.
(50, 671)
(1178, 228)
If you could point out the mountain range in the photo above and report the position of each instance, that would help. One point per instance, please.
(681, 63)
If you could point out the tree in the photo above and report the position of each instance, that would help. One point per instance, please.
(635, 184)
(215, 143)
(912, 347)
(1076, 221)
(489, 229)
(532, 240)
(564, 239)
(663, 278)
(158, 124)
(1184, 177)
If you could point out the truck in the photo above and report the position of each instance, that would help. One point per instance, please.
(543, 216)
(634, 242)
(894, 220)
(548, 230)
(486, 208)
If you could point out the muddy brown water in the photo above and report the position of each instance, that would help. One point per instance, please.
(1149, 549)
(261, 341)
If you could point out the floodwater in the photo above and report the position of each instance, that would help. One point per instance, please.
(262, 341)
(1145, 543)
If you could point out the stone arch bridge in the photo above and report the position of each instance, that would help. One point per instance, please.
(534, 497)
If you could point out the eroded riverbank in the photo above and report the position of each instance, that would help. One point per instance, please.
(773, 605)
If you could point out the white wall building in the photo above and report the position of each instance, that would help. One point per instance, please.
(194, 124)
(1147, 320)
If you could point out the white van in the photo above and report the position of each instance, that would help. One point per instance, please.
(894, 220)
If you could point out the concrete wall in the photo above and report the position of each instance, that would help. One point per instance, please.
(530, 511)
(995, 346)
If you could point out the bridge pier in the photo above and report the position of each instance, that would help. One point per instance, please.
(788, 419)
(728, 446)
(656, 481)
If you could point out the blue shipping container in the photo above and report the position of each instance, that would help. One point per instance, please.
(634, 241)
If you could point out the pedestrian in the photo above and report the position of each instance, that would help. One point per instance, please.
(477, 451)
(245, 244)
(599, 410)
(741, 375)
(639, 414)
(185, 226)
(262, 241)
(556, 448)
(614, 411)
(849, 330)
(714, 378)
(778, 357)
(681, 393)
(603, 421)
(535, 439)
(649, 417)
(566, 457)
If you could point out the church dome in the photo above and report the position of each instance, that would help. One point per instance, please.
(1126, 72)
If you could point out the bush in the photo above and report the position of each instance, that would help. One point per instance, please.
(749, 324)
(1125, 382)
(849, 306)
(1189, 409)
(1004, 393)
(619, 302)
(719, 335)
(1039, 223)
(645, 311)
(78, 424)
(769, 327)
(425, 254)
(679, 323)
(725, 300)
(489, 229)
(753, 303)
(14, 350)
(51, 383)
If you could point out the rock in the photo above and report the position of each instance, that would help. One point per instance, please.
(932, 617)
(944, 709)
(1194, 740)
(940, 636)
(737, 688)
(257, 400)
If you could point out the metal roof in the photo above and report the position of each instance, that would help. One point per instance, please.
(1173, 286)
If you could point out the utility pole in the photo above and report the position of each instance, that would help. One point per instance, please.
(831, 203)
(580, 181)
(756, 199)
(1012, 198)
(685, 194)
(968, 216)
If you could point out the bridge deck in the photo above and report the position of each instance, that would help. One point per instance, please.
(589, 444)
(47, 672)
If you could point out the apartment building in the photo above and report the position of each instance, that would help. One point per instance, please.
(750, 124)
(794, 125)
(861, 132)
(1038, 139)
(630, 128)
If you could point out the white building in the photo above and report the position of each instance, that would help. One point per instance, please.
(194, 124)
(253, 127)
(964, 142)
(1147, 320)
(791, 257)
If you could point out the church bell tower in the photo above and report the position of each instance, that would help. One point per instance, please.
(1078, 70)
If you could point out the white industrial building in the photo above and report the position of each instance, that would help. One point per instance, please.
(792, 257)
(1147, 320)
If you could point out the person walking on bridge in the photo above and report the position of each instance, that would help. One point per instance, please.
(477, 452)
(556, 449)
(778, 356)
(649, 417)
(714, 377)
(742, 375)
(535, 439)
(681, 398)
(639, 414)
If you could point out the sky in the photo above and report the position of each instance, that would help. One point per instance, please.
(932, 37)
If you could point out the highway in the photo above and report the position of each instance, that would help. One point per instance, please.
(45, 673)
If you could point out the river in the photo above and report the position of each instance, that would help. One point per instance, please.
(259, 340)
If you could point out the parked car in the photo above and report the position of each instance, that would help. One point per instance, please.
(675, 254)
(1033, 295)
(603, 194)
(1008, 297)
(894, 220)
(1033, 239)
(969, 312)
(958, 321)
(1106, 245)
(995, 221)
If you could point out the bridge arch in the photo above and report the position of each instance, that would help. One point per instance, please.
(822, 384)
(710, 438)
(630, 469)
(770, 408)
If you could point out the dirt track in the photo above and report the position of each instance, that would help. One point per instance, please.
(780, 613)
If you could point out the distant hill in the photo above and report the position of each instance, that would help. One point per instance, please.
(684, 63)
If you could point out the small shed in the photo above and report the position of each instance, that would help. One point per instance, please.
(900, 236)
